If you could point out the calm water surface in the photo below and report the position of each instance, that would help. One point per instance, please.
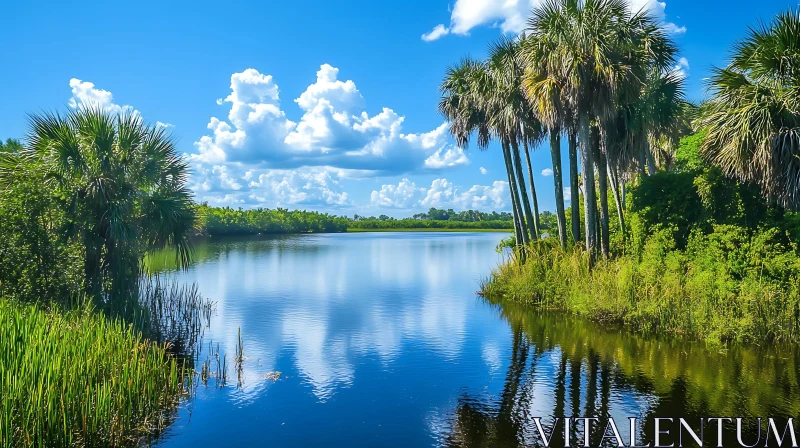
(381, 341)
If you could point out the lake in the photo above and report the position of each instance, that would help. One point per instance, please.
(380, 340)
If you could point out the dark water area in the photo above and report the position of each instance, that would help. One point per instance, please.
(380, 340)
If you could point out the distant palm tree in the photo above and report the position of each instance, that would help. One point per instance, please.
(478, 98)
(753, 116)
(123, 185)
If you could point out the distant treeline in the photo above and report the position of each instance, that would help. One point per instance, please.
(229, 221)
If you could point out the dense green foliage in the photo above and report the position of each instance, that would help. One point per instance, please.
(219, 221)
(78, 378)
(91, 185)
(82, 201)
(38, 261)
(705, 257)
(411, 223)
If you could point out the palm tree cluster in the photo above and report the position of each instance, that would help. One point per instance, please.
(593, 71)
(753, 116)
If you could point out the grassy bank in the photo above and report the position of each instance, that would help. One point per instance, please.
(704, 292)
(703, 256)
(78, 378)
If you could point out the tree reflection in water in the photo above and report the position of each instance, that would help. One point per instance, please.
(563, 366)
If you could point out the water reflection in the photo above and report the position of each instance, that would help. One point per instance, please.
(562, 366)
(381, 341)
(374, 329)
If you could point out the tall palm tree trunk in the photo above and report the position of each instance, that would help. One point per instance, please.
(519, 227)
(573, 185)
(523, 190)
(536, 226)
(613, 175)
(558, 182)
(602, 172)
(587, 164)
(651, 161)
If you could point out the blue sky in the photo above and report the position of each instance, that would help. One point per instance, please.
(318, 104)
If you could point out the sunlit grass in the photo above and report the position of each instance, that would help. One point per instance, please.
(79, 378)
(671, 292)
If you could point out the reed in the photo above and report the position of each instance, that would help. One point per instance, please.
(79, 378)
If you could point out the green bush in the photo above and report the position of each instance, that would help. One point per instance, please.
(705, 256)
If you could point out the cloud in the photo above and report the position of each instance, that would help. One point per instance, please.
(308, 187)
(333, 131)
(441, 194)
(547, 172)
(657, 9)
(437, 32)
(84, 93)
(483, 170)
(682, 67)
(567, 194)
(511, 16)
(259, 157)
(403, 195)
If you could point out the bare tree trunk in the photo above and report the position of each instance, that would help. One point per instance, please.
(651, 161)
(522, 231)
(589, 202)
(573, 185)
(523, 191)
(615, 187)
(602, 171)
(558, 182)
(536, 226)
(624, 196)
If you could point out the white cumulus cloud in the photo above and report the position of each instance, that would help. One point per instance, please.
(682, 67)
(403, 195)
(333, 131)
(441, 194)
(483, 170)
(547, 172)
(85, 94)
(437, 32)
(511, 16)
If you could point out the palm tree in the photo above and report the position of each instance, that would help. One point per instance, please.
(511, 118)
(544, 91)
(753, 116)
(465, 104)
(123, 186)
(594, 53)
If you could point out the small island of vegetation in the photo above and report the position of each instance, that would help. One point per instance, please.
(686, 222)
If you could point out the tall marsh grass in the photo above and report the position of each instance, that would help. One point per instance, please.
(102, 375)
(78, 378)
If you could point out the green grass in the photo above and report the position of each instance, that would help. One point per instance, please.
(695, 293)
(78, 378)
(354, 230)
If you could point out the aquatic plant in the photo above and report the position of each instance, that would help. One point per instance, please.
(80, 378)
